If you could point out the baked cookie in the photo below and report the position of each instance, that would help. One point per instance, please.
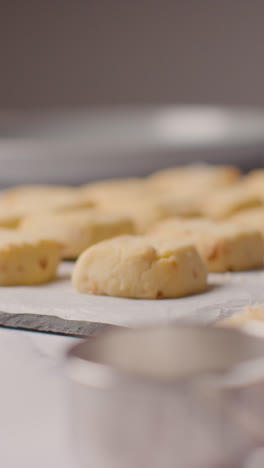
(26, 259)
(253, 218)
(224, 246)
(198, 179)
(128, 187)
(243, 318)
(36, 198)
(224, 203)
(140, 200)
(128, 197)
(9, 218)
(76, 230)
(255, 178)
(17, 193)
(144, 213)
(173, 204)
(141, 268)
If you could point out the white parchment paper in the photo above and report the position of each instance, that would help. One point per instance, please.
(227, 293)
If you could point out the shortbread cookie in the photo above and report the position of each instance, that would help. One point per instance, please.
(37, 198)
(128, 197)
(137, 267)
(78, 229)
(226, 202)
(146, 210)
(9, 218)
(27, 259)
(243, 318)
(224, 246)
(140, 200)
(253, 218)
(25, 193)
(173, 204)
(198, 179)
(255, 182)
(255, 178)
(114, 188)
(143, 213)
(116, 192)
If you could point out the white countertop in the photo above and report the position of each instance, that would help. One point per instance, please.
(34, 429)
(34, 425)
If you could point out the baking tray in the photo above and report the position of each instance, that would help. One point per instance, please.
(227, 293)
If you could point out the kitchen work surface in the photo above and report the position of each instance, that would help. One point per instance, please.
(227, 293)
(34, 429)
(34, 426)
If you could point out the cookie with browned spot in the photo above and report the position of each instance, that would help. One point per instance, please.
(27, 259)
(77, 230)
(141, 268)
(224, 246)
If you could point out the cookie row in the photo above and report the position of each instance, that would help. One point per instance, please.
(71, 220)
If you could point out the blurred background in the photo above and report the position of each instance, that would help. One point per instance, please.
(99, 53)
(93, 55)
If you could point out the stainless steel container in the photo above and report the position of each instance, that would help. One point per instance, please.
(167, 397)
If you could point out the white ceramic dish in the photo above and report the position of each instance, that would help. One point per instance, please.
(77, 146)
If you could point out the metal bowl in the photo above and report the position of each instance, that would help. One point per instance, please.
(78, 146)
(166, 397)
